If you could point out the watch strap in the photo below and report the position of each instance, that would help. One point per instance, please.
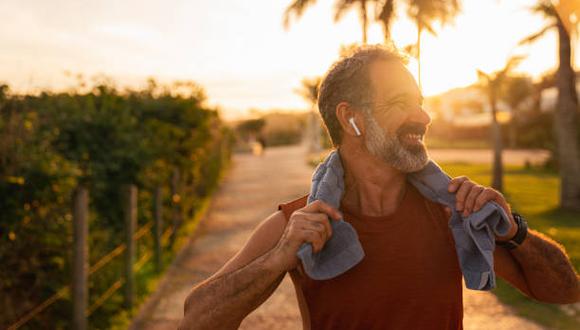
(520, 235)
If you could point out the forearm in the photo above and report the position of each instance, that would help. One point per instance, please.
(549, 274)
(223, 302)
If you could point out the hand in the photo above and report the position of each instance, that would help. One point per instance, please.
(307, 225)
(470, 197)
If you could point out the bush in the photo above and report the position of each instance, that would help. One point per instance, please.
(102, 139)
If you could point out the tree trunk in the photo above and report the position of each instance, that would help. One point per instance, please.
(80, 293)
(419, 31)
(497, 179)
(513, 130)
(176, 203)
(364, 20)
(565, 125)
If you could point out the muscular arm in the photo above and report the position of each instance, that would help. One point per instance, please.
(241, 285)
(250, 277)
(541, 269)
(224, 301)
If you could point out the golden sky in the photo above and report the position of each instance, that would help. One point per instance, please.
(238, 49)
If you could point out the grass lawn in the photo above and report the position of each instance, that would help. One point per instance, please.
(534, 194)
(436, 143)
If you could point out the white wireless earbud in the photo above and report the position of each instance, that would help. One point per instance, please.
(351, 121)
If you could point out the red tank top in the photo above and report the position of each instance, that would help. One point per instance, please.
(409, 278)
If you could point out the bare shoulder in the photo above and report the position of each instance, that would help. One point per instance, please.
(263, 239)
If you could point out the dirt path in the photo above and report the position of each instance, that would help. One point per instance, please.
(251, 191)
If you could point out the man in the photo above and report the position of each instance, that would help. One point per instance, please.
(410, 277)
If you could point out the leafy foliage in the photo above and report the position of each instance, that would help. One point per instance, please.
(102, 138)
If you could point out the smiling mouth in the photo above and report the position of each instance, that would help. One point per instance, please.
(412, 138)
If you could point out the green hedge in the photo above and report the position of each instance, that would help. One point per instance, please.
(101, 138)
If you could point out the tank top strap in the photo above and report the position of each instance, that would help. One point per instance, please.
(289, 207)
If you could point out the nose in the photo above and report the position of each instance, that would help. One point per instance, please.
(421, 116)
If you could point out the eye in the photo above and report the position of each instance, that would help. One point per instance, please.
(402, 105)
(410, 105)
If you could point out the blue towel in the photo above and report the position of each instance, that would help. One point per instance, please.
(343, 250)
(474, 235)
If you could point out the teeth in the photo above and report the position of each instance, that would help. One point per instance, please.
(415, 136)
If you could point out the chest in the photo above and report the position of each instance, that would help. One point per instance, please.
(410, 259)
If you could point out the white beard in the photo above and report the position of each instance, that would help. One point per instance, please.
(391, 150)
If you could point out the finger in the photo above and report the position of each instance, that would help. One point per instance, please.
(320, 206)
(455, 183)
(470, 199)
(315, 238)
(499, 198)
(448, 211)
(316, 226)
(485, 196)
(322, 219)
(462, 194)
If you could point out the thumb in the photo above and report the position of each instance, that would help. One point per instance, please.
(448, 211)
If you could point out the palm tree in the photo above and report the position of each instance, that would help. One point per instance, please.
(547, 81)
(297, 8)
(492, 84)
(518, 89)
(309, 91)
(562, 17)
(424, 13)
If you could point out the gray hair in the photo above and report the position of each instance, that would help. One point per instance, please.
(348, 80)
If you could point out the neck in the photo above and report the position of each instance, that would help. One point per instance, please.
(372, 187)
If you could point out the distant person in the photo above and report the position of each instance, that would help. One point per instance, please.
(256, 146)
(262, 143)
(410, 277)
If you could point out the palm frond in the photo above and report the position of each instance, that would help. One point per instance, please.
(508, 68)
(341, 7)
(428, 27)
(386, 15)
(544, 8)
(412, 50)
(482, 76)
(431, 11)
(309, 89)
(295, 10)
(513, 62)
(535, 36)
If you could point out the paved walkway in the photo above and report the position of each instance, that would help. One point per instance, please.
(250, 192)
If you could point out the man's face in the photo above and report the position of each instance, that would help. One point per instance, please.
(397, 124)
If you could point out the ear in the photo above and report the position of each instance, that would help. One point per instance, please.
(343, 113)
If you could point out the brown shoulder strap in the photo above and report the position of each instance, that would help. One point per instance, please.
(289, 207)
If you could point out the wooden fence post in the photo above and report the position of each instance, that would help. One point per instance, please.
(176, 202)
(130, 213)
(80, 257)
(158, 228)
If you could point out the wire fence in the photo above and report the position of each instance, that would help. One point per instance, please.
(148, 229)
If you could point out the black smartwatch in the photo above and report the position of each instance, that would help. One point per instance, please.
(520, 235)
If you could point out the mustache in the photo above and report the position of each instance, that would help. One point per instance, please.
(412, 128)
